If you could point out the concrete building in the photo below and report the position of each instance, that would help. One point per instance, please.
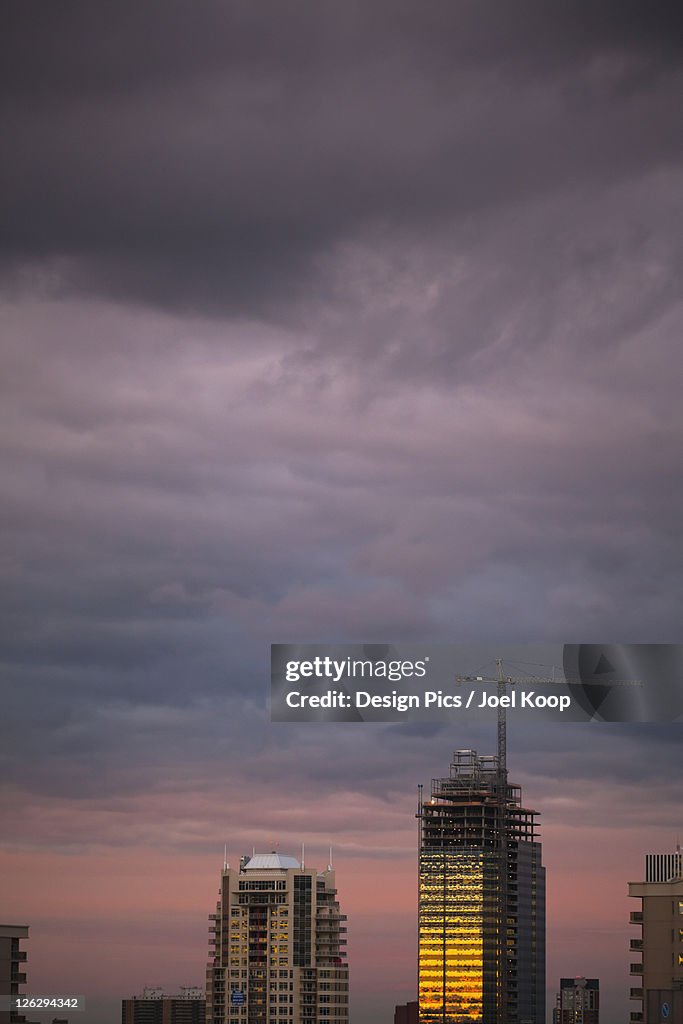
(407, 1013)
(578, 1001)
(481, 899)
(658, 975)
(12, 975)
(276, 946)
(154, 1006)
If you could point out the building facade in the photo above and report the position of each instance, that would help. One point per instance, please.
(578, 1001)
(658, 976)
(407, 1013)
(277, 946)
(155, 1007)
(481, 917)
(12, 973)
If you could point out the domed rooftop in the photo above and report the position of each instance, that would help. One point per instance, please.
(270, 862)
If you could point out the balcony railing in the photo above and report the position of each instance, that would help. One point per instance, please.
(636, 917)
(636, 944)
(636, 993)
(636, 968)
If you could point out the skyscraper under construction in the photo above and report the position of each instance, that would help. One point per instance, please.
(481, 898)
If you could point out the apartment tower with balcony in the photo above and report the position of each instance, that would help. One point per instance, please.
(277, 946)
(657, 986)
(12, 969)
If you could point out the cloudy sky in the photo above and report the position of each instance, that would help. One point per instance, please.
(325, 321)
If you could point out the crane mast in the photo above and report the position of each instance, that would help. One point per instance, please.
(502, 726)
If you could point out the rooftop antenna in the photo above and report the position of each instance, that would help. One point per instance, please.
(329, 866)
(303, 851)
(225, 858)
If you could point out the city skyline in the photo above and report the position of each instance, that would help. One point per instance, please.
(382, 939)
(327, 323)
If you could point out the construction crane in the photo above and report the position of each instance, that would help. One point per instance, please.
(502, 680)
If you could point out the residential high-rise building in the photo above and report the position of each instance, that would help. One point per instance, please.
(578, 1001)
(481, 898)
(659, 991)
(277, 946)
(11, 972)
(154, 1006)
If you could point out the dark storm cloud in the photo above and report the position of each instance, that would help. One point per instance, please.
(75, 47)
(210, 160)
(424, 385)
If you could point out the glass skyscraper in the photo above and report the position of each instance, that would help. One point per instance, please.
(481, 900)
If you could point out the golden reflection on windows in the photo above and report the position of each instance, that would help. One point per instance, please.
(451, 941)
